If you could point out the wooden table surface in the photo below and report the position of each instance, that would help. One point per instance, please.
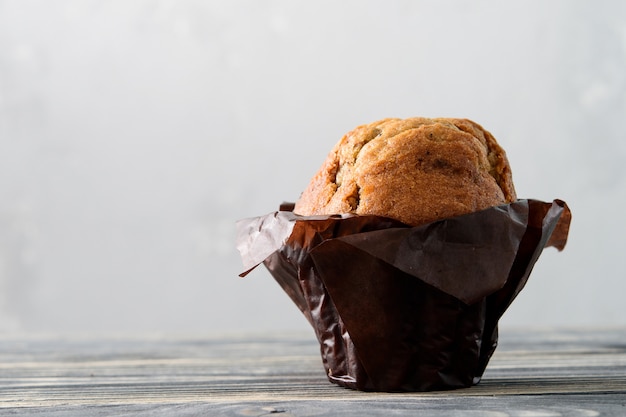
(533, 373)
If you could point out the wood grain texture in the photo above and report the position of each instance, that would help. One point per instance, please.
(533, 373)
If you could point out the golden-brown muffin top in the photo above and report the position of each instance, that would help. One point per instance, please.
(415, 170)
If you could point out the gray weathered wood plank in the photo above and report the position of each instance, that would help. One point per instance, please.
(533, 373)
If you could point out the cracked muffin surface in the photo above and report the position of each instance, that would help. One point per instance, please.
(415, 170)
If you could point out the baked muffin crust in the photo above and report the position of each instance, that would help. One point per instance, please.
(415, 170)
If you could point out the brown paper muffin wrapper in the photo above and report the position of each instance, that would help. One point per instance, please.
(400, 308)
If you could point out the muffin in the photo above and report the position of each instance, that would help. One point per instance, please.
(416, 170)
(404, 251)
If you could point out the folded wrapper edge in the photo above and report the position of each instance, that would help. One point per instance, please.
(259, 237)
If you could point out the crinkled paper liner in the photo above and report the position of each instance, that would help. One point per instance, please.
(400, 308)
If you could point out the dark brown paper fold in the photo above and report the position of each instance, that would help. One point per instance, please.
(399, 308)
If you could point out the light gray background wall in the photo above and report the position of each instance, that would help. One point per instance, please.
(134, 133)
